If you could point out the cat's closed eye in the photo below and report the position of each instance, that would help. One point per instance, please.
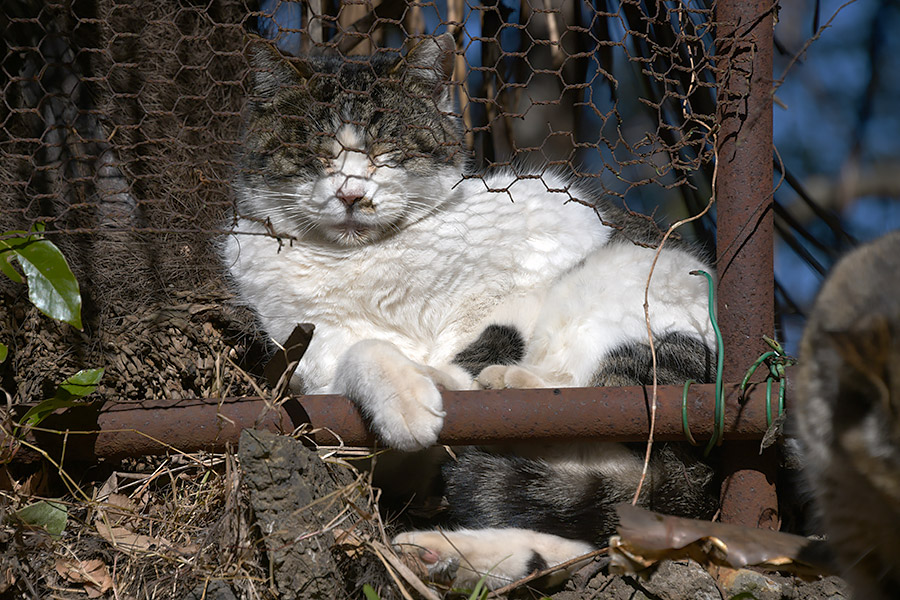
(386, 158)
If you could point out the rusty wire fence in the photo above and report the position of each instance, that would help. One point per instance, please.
(122, 133)
(127, 116)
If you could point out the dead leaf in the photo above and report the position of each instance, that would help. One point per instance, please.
(125, 539)
(349, 542)
(118, 508)
(8, 579)
(94, 574)
(646, 538)
(110, 486)
(36, 484)
(7, 483)
(187, 549)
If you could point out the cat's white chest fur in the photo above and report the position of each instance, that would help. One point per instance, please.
(427, 289)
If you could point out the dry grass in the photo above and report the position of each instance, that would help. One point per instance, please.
(182, 526)
(156, 528)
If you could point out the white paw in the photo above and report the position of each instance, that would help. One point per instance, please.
(498, 377)
(429, 555)
(398, 397)
(452, 377)
(500, 556)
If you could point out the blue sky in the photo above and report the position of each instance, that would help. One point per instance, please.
(820, 134)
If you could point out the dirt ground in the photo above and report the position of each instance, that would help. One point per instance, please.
(273, 520)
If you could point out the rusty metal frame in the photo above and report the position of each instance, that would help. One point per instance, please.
(613, 414)
(745, 312)
(744, 233)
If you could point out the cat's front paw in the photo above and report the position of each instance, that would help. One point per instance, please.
(498, 377)
(399, 399)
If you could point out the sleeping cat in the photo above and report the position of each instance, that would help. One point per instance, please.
(848, 414)
(417, 278)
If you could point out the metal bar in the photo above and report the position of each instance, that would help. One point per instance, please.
(744, 228)
(611, 414)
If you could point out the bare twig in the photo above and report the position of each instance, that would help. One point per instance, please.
(668, 233)
(780, 81)
(392, 562)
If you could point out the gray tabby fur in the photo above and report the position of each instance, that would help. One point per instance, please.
(848, 415)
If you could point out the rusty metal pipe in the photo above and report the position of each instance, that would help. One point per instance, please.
(744, 233)
(613, 414)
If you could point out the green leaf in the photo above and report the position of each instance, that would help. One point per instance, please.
(6, 255)
(370, 592)
(3, 352)
(52, 287)
(52, 516)
(480, 592)
(9, 241)
(67, 394)
(80, 384)
(38, 413)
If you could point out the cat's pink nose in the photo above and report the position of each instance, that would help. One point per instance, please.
(349, 197)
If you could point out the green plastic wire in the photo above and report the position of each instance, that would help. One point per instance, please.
(755, 366)
(776, 373)
(781, 388)
(719, 423)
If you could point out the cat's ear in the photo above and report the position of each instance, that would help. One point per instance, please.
(431, 59)
(270, 70)
(428, 67)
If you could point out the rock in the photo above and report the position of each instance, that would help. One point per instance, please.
(750, 584)
(612, 587)
(676, 580)
(284, 479)
(827, 588)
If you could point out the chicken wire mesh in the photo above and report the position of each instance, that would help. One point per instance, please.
(122, 134)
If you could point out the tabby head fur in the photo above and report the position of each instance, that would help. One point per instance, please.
(347, 151)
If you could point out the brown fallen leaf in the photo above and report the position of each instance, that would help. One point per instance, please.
(124, 538)
(348, 541)
(94, 574)
(36, 484)
(646, 538)
(7, 483)
(110, 486)
(118, 508)
(8, 579)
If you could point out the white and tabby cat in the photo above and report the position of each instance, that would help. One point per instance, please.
(847, 415)
(416, 277)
